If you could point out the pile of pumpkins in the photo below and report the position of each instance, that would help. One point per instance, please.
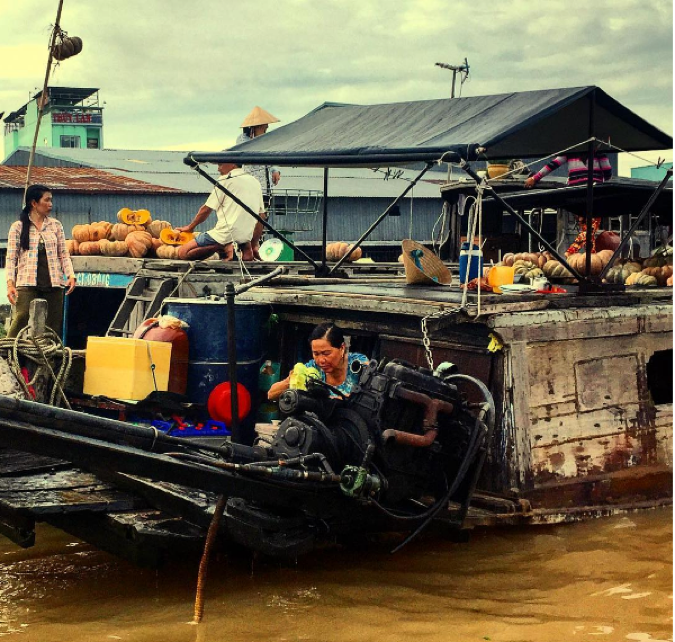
(654, 271)
(135, 234)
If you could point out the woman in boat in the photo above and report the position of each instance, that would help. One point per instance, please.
(38, 262)
(336, 365)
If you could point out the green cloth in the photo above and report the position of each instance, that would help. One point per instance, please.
(54, 298)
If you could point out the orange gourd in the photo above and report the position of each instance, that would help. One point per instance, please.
(335, 251)
(155, 227)
(100, 230)
(120, 231)
(139, 243)
(134, 217)
(578, 262)
(72, 246)
(169, 236)
(167, 251)
(89, 248)
(81, 233)
(113, 248)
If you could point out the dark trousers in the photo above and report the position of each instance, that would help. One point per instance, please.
(54, 298)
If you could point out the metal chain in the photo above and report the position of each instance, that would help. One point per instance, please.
(426, 340)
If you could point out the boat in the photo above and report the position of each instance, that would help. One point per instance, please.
(476, 409)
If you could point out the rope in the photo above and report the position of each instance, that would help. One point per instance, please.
(204, 563)
(39, 350)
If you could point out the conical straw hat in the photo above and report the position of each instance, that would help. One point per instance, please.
(259, 116)
(423, 266)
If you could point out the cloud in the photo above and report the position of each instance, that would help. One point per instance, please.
(175, 73)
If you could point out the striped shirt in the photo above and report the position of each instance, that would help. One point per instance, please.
(577, 171)
(22, 264)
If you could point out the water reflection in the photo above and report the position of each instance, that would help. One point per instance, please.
(608, 579)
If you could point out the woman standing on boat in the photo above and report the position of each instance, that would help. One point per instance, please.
(38, 263)
(336, 365)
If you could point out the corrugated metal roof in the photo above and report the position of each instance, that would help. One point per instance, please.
(167, 168)
(77, 179)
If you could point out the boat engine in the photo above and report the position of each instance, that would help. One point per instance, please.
(402, 436)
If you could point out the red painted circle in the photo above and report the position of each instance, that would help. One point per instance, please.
(219, 403)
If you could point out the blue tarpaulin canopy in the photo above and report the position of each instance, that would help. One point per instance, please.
(526, 124)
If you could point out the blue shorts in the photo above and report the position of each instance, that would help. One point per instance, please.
(204, 238)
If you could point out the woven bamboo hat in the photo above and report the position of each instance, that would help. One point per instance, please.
(259, 116)
(423, 266)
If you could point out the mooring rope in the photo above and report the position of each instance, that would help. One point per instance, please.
(39, 350)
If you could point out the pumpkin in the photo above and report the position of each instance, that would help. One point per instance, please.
(138, 243)
(169, 236)
(578, 263)
(619, 273)
(113, 248)
(508, 259)
(89, 248)
(167, 251)
(100, 230)
(521, 267)
(661, 274)
(134, 217)
(335, 251)
(604, 256)
(72, 247)
(655, 261)
(81, 233)
(120, 231)
(670, 281)
(638, 278)
(155, 227)
(156, 243)
(556, 270)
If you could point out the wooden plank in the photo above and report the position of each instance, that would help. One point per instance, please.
(15, 462)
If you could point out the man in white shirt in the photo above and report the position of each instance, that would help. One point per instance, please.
(233, 222)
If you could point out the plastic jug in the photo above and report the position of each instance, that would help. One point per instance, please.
(476, 268)
(500, 275)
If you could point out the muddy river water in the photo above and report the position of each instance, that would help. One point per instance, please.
(607, 579)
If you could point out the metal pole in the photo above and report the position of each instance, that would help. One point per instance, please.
(590, 162)
(638, 220)
(258, 218)
(43, 96)
(454, 76)
(467, 168)
(380, 218)
(324, 223)
(232, 359)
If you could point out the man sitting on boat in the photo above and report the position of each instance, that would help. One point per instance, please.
(233, 225)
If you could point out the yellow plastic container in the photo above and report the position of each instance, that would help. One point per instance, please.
(500, 275)
(120, 368)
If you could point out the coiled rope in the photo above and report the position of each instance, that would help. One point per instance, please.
(41, 351)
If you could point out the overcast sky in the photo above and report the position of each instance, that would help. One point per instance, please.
(182, 75)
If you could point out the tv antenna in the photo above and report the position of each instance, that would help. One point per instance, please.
(463, 69)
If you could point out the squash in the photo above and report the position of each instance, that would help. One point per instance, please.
(155, 227)
(669, 282)
(81, 233)
(335, 251)
(661, 274)
(655, 261)
(508, 259)
(556, 270)
(534, 273)
(638, 278)
(139, 243)
(167, 251)
(169, 236)
(119, 231)
(578, 263)
(619, 273)
(89, 248)
(156, 243)
(72, 247)
(100, 230)
(521, 267)
(134, 217)
(604, 256)
(113, 248)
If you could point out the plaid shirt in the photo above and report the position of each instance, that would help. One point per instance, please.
(21, 265)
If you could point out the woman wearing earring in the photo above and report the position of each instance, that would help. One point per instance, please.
(38, 263)
(338, 367)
